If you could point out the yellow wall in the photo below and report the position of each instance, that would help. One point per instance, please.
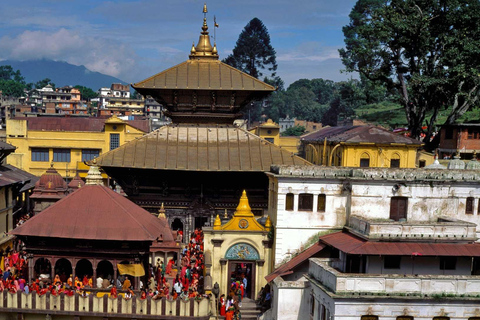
(349, 155)
(24, 140)
(290, 143)
(271, 131)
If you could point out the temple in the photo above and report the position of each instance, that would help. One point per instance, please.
(199, 165)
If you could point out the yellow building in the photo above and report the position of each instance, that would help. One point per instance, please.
(238, 248)
(67, 141)
(270, 131)
(360, 146)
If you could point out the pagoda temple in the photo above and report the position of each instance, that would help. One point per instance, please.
(199, 165)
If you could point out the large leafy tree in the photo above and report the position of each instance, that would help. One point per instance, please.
(12, 83)
(86, 92)
(253, 53)
(426, 50)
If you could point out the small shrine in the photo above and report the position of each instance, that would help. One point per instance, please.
(48, 189)
(240, 248)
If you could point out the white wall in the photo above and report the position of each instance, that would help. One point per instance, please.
(421, 266)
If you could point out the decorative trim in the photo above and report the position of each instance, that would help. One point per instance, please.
(217, 242)
(267, 243)
(223, 262)
(260, 263)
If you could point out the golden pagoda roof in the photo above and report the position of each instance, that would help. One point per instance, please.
(243, 218)
(203, 74)
(195, 147)
(203, 71)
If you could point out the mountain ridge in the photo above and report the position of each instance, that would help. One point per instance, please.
(61, 73)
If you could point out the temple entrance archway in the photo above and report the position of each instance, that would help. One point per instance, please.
(242, 259)
(177, 225)
(83, 268)
(43, 267)
(105, 270)
(63, 268)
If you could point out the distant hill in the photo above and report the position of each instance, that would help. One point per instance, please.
(61, 73)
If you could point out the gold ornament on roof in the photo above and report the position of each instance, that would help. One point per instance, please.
(243, 208)
(217, 224)
(268, 224)
(161, 212)
(204, 49)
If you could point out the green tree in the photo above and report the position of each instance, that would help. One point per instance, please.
(87, 93)
(294, 131)
(12, 83)
(428, 51)
(253, 52)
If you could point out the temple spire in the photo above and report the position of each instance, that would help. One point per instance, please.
(204, 47)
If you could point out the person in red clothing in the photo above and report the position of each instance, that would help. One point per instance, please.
(113, 292)
(222, 305)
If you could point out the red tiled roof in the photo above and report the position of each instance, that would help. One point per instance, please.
(95, 212)
(287, 267)
(358, 134)
(75, 124)
(349, 243)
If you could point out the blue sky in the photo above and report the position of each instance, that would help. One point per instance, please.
(133, 40)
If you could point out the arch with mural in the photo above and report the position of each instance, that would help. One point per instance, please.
(242, 259)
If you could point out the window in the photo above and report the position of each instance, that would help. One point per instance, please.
(395, 161)
(289, 202)
(369, 317)
(469, 206)
(365, 161)
(40, 154)
(321, 203)
(61, 155)
(114, 140)
(421, 163)
(405, 318)
(473, 134)
(392, 262)
(398, 208)
(271, 140)
(89, 154)
(448, 263)
(305, 202)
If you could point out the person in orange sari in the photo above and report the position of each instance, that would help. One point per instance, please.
(57, 280)
(70, 280)
(113, 292)
(230, 309)
(170, 264)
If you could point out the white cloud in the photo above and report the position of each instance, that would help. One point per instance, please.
(97, 54)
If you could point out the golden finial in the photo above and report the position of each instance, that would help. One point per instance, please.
(193, 49)
(217, 224)
(51, 164)
(226, 214)
(79, 185)
(205, 8)
(474, 155)
(268, 224)
(161, 212)
(204, 49)
(214, 50)
(243, 208)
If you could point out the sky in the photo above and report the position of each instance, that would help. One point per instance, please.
(132, 40)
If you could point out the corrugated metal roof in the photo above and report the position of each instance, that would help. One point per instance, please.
(359, 134)
(349, 243)
(290, 265)
(200, 148)
(203, 75)
(11, 175)
(95, 212)
(75, 124)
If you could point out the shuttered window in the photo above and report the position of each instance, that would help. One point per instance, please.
(469, 206)
(289, 202)
(398, 208)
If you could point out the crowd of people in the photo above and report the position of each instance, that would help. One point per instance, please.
(187, 280)
(163, 281)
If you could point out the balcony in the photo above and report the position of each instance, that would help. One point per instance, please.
(321, 270)
(442, 229)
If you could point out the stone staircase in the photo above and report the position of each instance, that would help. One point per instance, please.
(249, 310)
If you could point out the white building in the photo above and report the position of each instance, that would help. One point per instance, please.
(307, 200)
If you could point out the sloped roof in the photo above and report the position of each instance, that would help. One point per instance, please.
(11, 175)
(75, 124)
(200, 148)
(288, 267)
(198, 74)
(95, 212)
(359, 134)
(349, 243)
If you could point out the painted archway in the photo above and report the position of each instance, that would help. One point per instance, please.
(242, 251)
(241, 267)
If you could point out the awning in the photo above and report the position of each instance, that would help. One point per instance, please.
(351, 244)
(135, 270)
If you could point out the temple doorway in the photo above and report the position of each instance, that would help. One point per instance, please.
(83, 268)
(177, 225)
(200, 222)
(43, 268)
(237, 271)
(63, 268)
